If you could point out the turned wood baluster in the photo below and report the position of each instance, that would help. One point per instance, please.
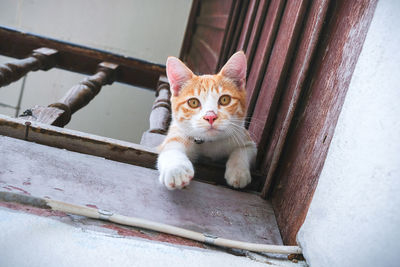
(40, 59)
(80, 95)
(160, 115)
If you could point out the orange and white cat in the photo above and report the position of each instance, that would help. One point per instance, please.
(208, 113)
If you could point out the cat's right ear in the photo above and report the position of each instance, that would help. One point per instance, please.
(178, 74)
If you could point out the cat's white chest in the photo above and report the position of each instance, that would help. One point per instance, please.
(214, 150)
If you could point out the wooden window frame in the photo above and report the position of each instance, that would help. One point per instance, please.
(308, 95)
(301, 56)
(309, 108)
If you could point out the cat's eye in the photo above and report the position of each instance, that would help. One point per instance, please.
(193, 103)
(224, 100)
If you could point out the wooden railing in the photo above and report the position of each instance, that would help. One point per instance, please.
(35, 53)
(40, 53)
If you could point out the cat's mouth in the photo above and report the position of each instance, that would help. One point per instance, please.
(212, 130)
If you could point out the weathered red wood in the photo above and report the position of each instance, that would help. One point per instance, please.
(205, 50)
(309, 138)
(40, 59)
(206, 54)
(276, 70)
(230, 28)
(293, 88)
(263, 51)
(216, 21)
(81, 59)
(237, 30)
(219, 7)
(204, 47)
(256, 29)
(247, 25)
(187, 39)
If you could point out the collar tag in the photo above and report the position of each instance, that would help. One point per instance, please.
(198, 141)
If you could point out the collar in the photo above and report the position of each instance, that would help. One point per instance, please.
(196, 140)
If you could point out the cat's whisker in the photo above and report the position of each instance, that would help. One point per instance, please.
(236, 132)
(241, 130)
(235, 138)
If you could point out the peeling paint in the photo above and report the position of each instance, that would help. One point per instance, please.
(156, 237)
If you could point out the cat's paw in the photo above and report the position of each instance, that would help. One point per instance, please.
(177, 175)
(237, 176)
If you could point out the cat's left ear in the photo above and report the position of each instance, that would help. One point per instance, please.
(178, 74)
(235, 69)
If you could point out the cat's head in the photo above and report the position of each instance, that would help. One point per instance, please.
(208, 106)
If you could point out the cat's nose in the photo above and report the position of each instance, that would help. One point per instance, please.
(210, 116)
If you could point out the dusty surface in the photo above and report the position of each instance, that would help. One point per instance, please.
(43, 171)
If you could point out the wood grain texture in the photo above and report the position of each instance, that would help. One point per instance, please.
(262, 52)
(81, 59)
(259, 19)
(47, 115)
(315, 119)
(206, 33)
(247, 25)
(40, 59)
(77, 141)
(134, 191)
(190, 26)
(237, 31)
(234, 24)
(281, 55)
(108, 148)
(160, 115)
(216, 21)
(310, 36)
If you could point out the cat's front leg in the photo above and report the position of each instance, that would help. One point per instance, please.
(176, 170)
(237, 173)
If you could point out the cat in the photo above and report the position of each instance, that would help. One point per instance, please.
(208, 114)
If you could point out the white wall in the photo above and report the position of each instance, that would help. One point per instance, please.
(146, 29)
(354, 217)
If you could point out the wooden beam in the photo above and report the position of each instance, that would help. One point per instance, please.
(293, 87)
(229, 31)
(77, 141)
(262, 48)
(81, 59)
(247, 25)
(259, 19)
(59, 113)
(160, 115)
(315, 119)
(81, 94)
(105, 147)
(190, 27)
(40, 59)
(271, 86)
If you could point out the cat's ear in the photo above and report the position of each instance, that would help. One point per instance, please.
(236, 68)
(178, 74)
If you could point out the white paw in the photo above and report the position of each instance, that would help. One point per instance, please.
(237, 176)
(177, 175)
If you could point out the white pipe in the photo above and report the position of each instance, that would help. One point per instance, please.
(145, 224)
